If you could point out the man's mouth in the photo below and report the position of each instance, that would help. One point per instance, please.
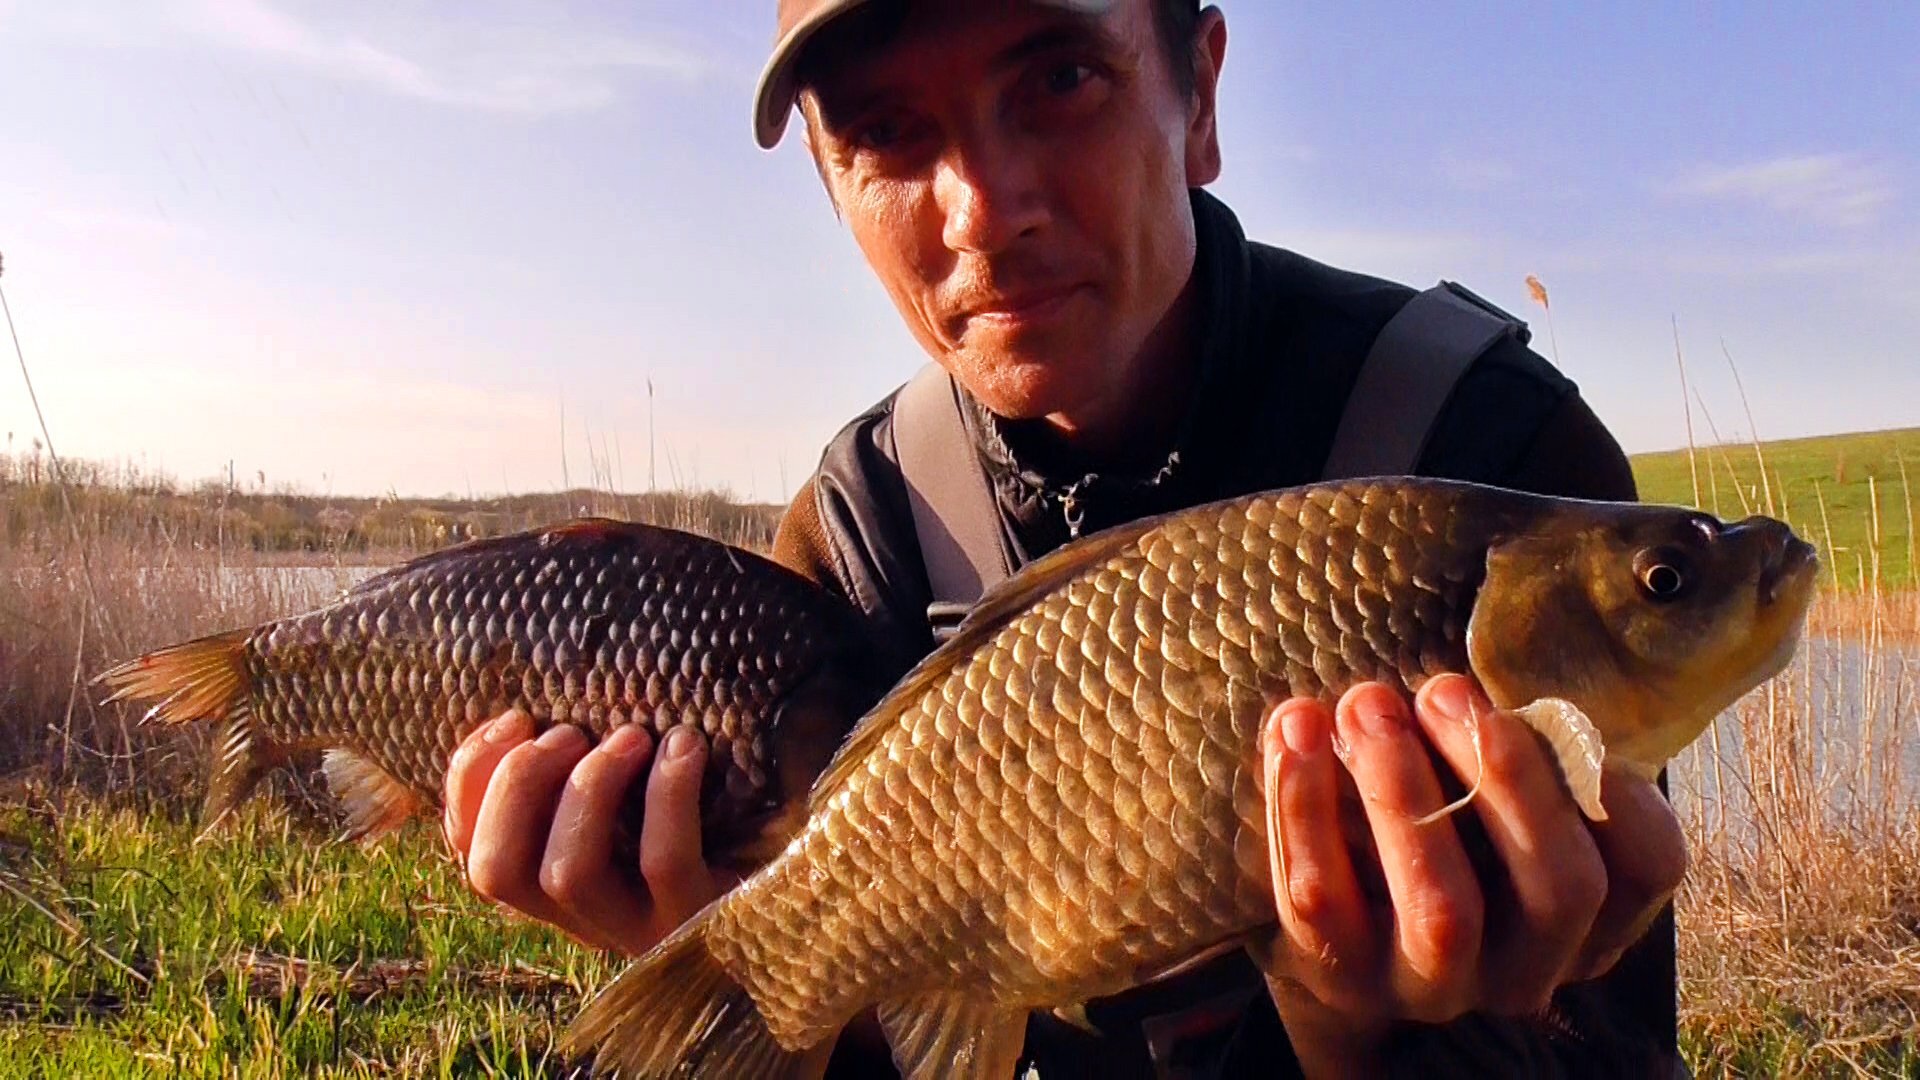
(1023, 306)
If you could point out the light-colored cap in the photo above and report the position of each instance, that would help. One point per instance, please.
(799, 21)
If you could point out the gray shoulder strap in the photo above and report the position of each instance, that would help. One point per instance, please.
(954, 512)
(1408, 377)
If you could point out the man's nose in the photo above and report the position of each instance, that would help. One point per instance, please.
(990, 195)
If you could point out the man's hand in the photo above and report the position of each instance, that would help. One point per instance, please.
(533, 821)
(1447, 939)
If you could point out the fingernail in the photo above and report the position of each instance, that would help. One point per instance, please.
(682, 743)
(1303, 728)
(1369, 717)
(563, 736)
(1451, 699)
(510, 727)
(624, 741)
(1381, 723)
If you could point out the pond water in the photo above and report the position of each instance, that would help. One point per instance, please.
(284, 589)
(1842, 723)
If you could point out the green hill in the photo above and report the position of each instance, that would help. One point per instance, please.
(1845, 493)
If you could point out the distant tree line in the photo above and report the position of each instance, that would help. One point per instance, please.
(150, 509)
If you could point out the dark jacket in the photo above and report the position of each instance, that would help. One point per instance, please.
(1280, 343)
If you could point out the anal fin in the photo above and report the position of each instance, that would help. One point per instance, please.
(375, 802)
(952, 1035)
(1577, 746)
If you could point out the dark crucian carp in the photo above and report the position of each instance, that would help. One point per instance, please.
(1065, 799)
(596, 623)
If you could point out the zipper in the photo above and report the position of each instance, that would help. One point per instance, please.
(1072, 508)
(1073, 499)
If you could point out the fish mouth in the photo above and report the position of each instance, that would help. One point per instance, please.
(1787, 569)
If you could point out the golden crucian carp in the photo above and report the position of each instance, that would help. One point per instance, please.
(1066, 797)
(597, 623)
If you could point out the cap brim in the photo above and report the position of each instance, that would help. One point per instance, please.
(774, 97)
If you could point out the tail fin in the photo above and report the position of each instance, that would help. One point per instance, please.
(677, 1012)
(205, 679)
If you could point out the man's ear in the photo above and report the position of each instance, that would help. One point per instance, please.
(1203, 128)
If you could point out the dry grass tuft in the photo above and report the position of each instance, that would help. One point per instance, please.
(62, 621)
(1800, 919)
(1808, 968)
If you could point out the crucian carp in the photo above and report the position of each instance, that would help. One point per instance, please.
(596, 623)
(1067, 794)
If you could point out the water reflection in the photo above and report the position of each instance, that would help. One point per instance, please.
(1837, 725)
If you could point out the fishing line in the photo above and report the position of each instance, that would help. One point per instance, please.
(66, 501)
(59, 474)
(53, 456)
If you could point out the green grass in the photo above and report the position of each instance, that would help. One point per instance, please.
(1828, 488)
(128, 950)
(267, 950)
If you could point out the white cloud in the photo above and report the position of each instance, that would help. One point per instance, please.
(504, 65)
(1831, 189)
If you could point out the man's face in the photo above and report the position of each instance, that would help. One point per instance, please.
(1017, 177)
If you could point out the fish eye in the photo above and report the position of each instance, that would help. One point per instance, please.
(1663, 573)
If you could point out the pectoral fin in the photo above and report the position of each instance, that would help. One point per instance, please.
(1576, 746)
(951, 1035)
(375, 802)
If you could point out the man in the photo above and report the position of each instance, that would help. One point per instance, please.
(1024, 178)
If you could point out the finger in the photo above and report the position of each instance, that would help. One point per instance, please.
(471, 768)
(511, 830)
(1437, 903)
(577, 871)
(1554, 870)
(670, 857)
(1645, 853)
(1319, 901)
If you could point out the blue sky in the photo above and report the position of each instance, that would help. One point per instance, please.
(361, 246)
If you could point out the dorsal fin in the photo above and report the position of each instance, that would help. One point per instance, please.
(997, 608)
(584, 532)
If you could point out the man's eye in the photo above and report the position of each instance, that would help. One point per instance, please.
(1066, 78)
(878, 135)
